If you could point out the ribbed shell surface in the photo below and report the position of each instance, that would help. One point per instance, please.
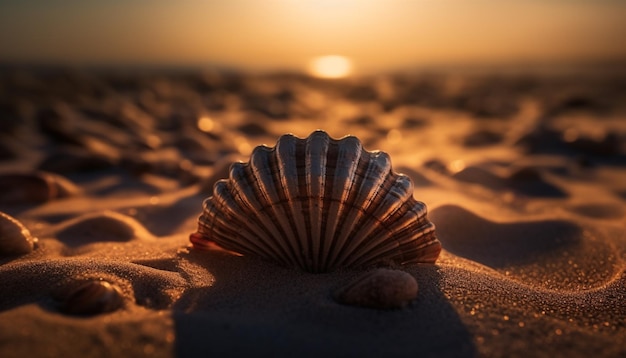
(319, 204)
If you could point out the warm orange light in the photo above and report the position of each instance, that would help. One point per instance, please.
(394, 136)
(205, 124)
(332, 66)
(456, 165)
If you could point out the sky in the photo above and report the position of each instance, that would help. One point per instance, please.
(287, 34)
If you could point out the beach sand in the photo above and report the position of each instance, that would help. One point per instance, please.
(524, 177)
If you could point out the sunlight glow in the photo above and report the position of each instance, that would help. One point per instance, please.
(331, 66)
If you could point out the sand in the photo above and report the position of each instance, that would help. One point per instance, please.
(524, 177)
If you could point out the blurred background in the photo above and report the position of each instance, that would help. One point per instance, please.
(365, 36)
(512, 97)
(173, 86)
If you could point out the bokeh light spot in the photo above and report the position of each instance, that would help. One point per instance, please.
(456, 166)
(205, 124)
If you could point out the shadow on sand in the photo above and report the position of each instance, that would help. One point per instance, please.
(255, 308)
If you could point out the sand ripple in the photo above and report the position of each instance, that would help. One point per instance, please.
(556, 254)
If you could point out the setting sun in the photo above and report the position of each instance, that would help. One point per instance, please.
(332, 66)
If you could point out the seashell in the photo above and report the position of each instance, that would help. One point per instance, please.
(92, 298)
(380, 288)
(319, 204)
(37, 187)
(15, 239)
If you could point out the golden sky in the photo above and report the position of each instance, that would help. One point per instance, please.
(275, 34)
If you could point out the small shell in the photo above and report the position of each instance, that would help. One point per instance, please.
(92, 298)
(381, 289)
(319, 204)
(15, 239)
(38, 187)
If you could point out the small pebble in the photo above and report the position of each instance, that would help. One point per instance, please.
(36, 187)
(92, 298)
(15, 239)
(379, 289)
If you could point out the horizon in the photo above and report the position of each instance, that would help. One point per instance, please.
(286, 35)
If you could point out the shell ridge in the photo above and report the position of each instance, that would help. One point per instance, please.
(415, 214)
(316, 156)
(210, 207)
(388, 214)
(352, 175)
(303, 199)
(246, 187)
(410, 232)
(393, 209)
(381, 182)
(408, 252)
(204, 226)
(262, 167)
(342, 162)
(285, 155)
(244, 229)
(409, 229)
(228, 239)
(370, 180)
(223, 201)
(405, 253)
(328, 204)
(365, 224)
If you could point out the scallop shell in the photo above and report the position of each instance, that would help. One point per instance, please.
(319, 204)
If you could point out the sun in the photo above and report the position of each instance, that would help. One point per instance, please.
(330, 66)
